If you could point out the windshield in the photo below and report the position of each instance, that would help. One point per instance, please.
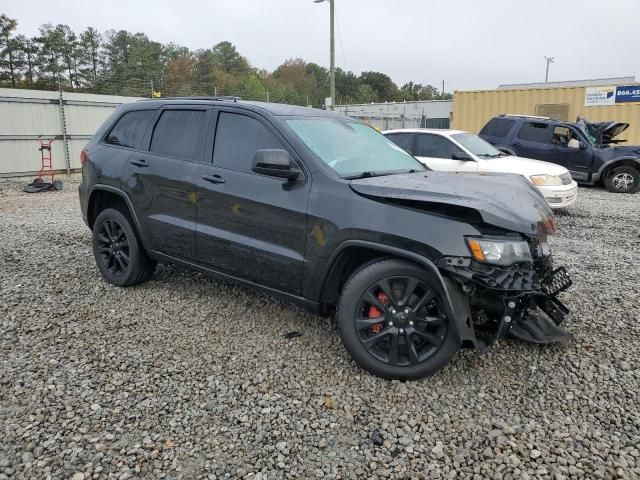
(477, 146)
(352, 148)
(590, 138)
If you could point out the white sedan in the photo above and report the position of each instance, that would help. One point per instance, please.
(458, 151)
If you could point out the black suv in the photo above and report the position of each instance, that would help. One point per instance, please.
(323, 210)
(588, 150)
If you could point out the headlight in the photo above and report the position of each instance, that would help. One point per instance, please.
(546, 180)
(499, 252)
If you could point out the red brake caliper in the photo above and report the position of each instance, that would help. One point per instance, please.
(374, 312)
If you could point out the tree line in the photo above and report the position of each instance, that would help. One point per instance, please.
(124, 63)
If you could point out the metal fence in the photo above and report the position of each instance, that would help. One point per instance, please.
(392, 115)
(70, 118)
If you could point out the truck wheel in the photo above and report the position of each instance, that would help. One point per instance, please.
(118, 251)
(623, 180)
(393, 322)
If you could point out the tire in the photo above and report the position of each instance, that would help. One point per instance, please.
(114, 241)
(425, 340)
(623, 180)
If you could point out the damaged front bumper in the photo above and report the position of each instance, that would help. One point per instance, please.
(519, 300)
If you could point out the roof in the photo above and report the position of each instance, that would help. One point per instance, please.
(277, 109)
(595, 82)
(439, 131)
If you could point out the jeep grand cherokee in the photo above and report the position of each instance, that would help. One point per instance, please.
(323, 210)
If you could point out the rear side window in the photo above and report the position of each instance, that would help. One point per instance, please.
(403, 140)
(497, 127)
(180, 133)
(435, 146)
(130, 129)
(535, 132)
(238, 137)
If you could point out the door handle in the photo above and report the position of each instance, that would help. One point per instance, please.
(213, 179)
(141, 162)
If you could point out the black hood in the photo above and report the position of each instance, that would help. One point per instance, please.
(502, 200)
(603, 132)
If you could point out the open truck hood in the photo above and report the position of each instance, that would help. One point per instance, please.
(502, 200)
(603, 132)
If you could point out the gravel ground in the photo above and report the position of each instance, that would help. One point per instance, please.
(186, 377)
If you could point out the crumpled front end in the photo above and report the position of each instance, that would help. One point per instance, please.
(520, 299)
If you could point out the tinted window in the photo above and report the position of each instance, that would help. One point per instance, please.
(497, 127)
(403, 140)
(435, 146)
(535, 132)
(130, 129)
(238, 137)
(180, 133)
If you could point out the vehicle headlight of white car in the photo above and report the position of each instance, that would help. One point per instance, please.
(546, 180)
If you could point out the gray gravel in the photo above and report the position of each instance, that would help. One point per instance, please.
(185, 377)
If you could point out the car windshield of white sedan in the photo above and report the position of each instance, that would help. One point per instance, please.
(477, 146)
(353, 149)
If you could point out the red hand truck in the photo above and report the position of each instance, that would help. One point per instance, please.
(46, 169)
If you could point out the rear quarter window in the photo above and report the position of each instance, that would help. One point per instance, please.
(497, 127)
(130, 129)
(180, 134)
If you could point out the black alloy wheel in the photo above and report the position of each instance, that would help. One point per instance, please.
(393, 322)
(118, 251)
(399, 321)
(113, 247)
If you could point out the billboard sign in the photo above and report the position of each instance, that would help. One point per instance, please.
(594, 96)
(599, 96)
(630, 93)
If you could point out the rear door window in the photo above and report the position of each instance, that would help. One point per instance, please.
(497, 127)
(535, 132)
(435, 146)
(238, 137)
(180, 133)
(130, 130)
(403, 140)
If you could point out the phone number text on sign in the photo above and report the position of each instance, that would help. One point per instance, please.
(628, 94)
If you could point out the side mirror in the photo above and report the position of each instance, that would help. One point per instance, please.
(461, 156)
(577, 144)
(274, 163)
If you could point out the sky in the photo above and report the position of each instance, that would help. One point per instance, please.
(470, 44)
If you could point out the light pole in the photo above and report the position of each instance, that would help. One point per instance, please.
(549, 61)
(332, 47)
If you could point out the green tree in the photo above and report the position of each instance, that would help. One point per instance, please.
(365, 94)
(227, 58)
(9, 67)
(91, 57)
(347, 85)
(381, 83)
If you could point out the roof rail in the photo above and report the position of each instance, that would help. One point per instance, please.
(235, 99)
(523, 116)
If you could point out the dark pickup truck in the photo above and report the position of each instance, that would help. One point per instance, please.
(588, 150)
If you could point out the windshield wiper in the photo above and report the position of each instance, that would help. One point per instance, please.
(365, 174)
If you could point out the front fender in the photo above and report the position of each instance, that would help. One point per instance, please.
(610, 163)
(456, 301)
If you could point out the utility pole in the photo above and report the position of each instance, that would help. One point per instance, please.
(332, 78)
(152, 92)
(332, 48)
(549, 61)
